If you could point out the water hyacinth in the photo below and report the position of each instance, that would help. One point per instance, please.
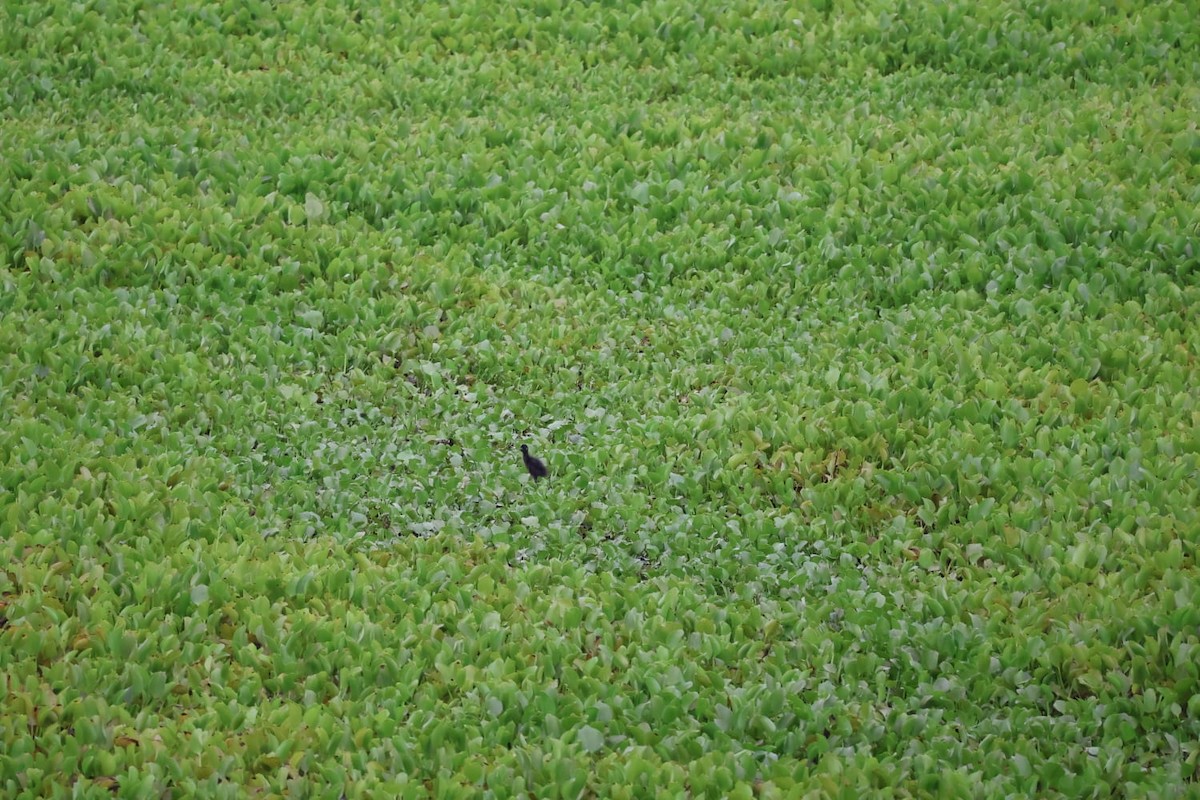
(859, 338)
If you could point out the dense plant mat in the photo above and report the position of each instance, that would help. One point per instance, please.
(859, 339)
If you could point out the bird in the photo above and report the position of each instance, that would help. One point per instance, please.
(535, 466)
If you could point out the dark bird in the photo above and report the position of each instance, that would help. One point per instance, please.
(535, 466)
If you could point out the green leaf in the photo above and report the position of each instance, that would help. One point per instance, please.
(314, 209)
(591, 739)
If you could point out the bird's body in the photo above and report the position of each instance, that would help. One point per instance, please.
(535, 466)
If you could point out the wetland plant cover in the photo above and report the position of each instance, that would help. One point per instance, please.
(859, 339)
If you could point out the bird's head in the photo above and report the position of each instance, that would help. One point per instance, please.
(525, 449)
